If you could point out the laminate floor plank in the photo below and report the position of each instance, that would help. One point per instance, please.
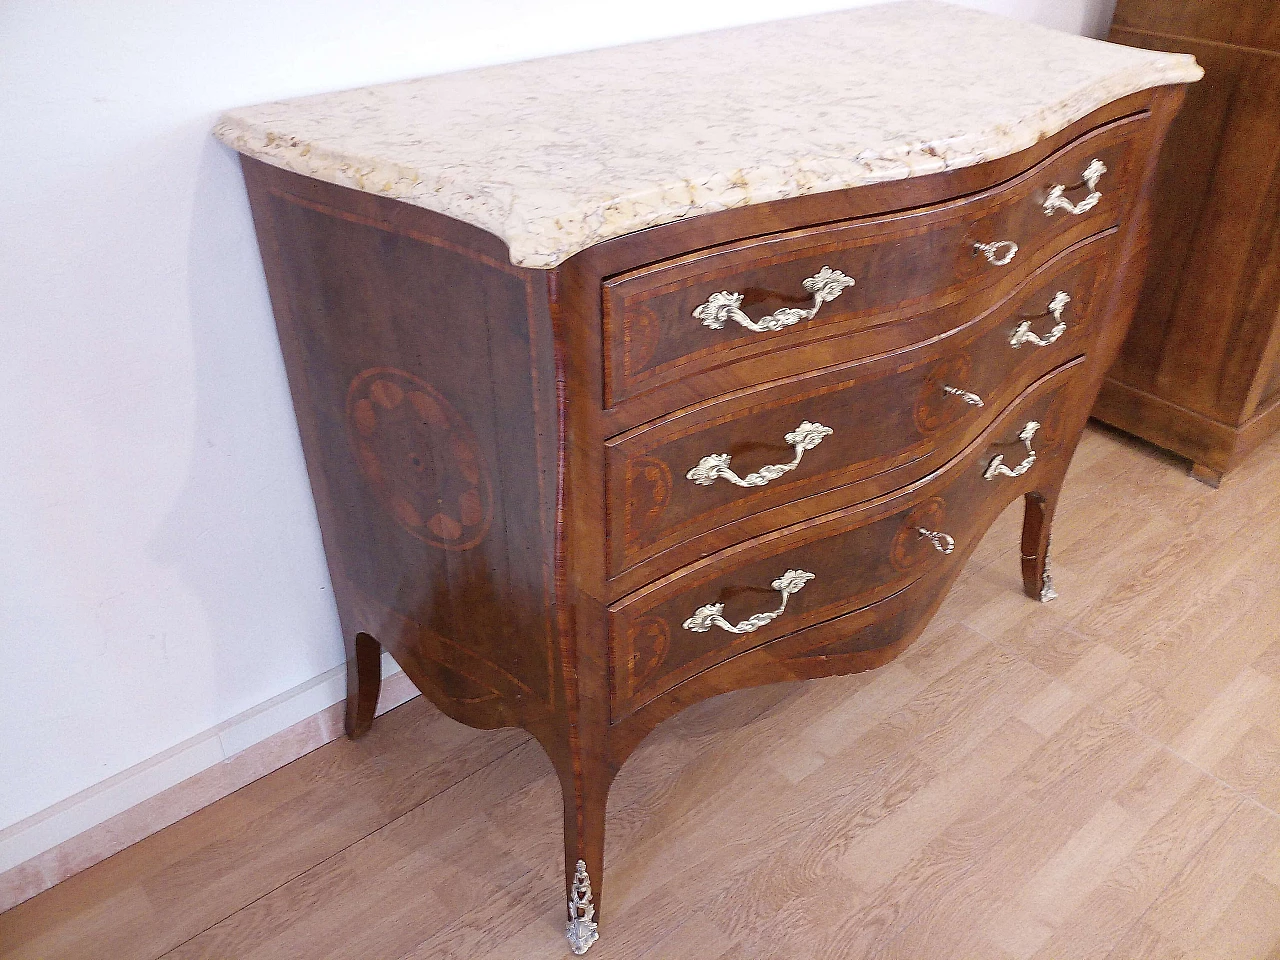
(1097, 778)
(160, 892)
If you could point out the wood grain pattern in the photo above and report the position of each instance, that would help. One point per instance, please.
(1000, 790)
(1242, 23)
(435, 498)
(1199, 370)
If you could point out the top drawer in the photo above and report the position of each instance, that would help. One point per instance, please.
(683, 317)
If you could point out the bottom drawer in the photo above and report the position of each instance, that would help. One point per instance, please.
(811, 572)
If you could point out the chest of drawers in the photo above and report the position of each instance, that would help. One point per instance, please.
(603, 421)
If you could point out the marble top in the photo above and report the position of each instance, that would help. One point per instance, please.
(557, 154)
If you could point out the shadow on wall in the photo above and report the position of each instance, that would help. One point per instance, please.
(243, 531)
(1089, 17)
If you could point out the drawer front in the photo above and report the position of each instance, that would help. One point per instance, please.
(735, 457)
(772, 586)
(688, 316)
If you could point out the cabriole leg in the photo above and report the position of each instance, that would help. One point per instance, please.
(364, 680)
(584, 812)
(1037, 523)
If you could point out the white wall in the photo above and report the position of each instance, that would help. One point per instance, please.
(160, 564)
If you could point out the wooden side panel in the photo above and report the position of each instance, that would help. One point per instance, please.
(1205, 336)
(1247, 23)
(1186, 170)
(421, 373)
(1234, 253)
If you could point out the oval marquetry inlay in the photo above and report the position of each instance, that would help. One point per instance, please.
(641, 336)
(648, 491)
(649, 641)
(909, 547)
(935, 408)
(419, 458)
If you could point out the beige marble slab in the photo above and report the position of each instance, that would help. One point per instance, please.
(557, 154)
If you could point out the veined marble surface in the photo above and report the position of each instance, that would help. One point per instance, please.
(557, 154)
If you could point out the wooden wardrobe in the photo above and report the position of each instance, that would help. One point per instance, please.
(1200, 371)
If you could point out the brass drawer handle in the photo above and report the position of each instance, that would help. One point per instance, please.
(713, 466)
(825, 285)
(941, 542)
(970, 398)
(704, 618)
(1024, 335)
(1057, 200)
(992, 252)
(997, 468)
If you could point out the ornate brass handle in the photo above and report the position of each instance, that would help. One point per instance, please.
(704, 618)
(825, 285)
(970, 398)
(992, 252)
(997, 468)
(711, 467)
(1057, 196)
(941, 542)
(1024, 335)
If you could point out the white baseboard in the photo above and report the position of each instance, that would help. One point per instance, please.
(91, 825)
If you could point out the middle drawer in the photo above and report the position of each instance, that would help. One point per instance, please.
(714, 464)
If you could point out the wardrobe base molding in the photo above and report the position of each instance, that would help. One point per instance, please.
(1199, 373)
(1213, 448)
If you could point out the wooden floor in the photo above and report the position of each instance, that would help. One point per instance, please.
(1097, 777)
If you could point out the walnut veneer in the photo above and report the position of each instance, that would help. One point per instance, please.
(1200, 371)
(501, 456)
